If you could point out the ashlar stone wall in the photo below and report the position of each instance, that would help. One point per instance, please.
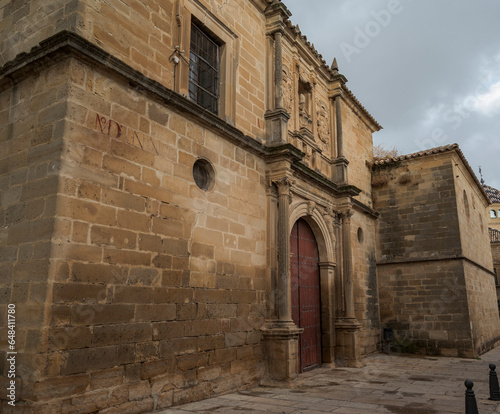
(434, 283)
(154, 292)
(366, 285)
(32, 128)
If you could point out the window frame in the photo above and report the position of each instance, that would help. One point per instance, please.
(204, 58)
(194, 11)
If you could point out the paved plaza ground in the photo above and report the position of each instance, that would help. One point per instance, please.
(387, 384)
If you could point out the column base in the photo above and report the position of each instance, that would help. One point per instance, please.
(348, 349)
(281, 344)
(276, 126)
(340, 170)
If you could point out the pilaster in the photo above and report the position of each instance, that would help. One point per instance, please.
(348, 329)
(281, 335)
(277, 118)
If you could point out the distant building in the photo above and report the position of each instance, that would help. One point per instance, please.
(493, 214)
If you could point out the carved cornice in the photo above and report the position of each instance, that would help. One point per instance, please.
(66, 45)
(276, 14)
(365, 209)
(323, 182)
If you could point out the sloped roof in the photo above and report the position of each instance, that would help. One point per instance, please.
(434, 151)
(363, 109)
(493, 194)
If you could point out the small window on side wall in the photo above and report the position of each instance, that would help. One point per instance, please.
(493, 214)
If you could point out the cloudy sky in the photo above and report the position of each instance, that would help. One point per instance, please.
(427, 70)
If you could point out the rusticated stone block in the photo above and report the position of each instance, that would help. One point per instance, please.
(156, 368)
(65, 386)
(133, 294)
(89, 402)
(121, 334)
(192, 394)
(187, 362)
(168, 330)
(107, 378)
(178, 346)
(101, 314)
(81, 360)
(154, 313)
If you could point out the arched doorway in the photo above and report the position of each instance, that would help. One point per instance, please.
(306, 293)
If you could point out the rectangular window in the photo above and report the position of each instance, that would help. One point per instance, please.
(496, 276)
(204, 70)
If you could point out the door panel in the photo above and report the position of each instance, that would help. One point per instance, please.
(305, 289)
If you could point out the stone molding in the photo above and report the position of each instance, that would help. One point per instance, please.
(66, 44)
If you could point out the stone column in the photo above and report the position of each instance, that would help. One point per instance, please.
(281, 335)
(338, 118)
(347, 264)
(278, 70)
(284, 304)
(340, 163)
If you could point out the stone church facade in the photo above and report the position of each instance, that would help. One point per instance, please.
(186, 204)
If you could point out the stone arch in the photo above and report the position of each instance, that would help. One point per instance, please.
(308, 211)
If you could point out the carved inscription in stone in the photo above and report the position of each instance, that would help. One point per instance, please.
(115, 130)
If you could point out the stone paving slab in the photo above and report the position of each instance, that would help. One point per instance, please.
(388, 384)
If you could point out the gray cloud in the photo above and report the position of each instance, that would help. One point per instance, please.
(424, 69)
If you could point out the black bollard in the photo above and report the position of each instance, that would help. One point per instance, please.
(470, 399)
(494, 388)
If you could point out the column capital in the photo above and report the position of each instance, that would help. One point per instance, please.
(284, 184)
(346, 215)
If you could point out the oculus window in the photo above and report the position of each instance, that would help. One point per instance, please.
(203, 174)
(204, 70)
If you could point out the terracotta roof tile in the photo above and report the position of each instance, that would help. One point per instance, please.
(493, 194)
(437, 150)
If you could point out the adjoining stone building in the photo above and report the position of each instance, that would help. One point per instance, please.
(186, 204)
(434, 265)
(493, 214)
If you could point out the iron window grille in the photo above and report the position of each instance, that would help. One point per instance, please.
(204, 70)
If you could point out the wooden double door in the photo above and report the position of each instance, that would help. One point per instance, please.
(306, 293)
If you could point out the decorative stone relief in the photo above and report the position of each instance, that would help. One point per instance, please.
(305, 97)
(311, 205)
(287, 90)
(331, 219)
(305, 119)
(323, 121)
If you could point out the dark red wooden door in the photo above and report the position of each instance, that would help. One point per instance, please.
(305, 284)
